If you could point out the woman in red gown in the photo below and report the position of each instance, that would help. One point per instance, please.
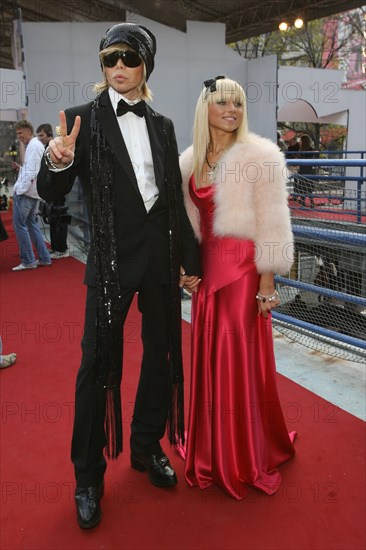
(235, 195)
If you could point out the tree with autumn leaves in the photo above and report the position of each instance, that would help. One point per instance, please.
(335, 42)
(322, 43)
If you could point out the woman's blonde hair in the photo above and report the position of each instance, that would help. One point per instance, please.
(144, 91)
(201, 132)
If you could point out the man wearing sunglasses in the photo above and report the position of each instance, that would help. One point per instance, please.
(125, 155)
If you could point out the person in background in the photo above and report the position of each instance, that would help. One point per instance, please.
(293, 145)
(10, 359)
(6, 360)
(58, 229)
(126, 157)
(236, 199)
(3, 232)
(304, 185)
(26, 199)
(44, 133)
(4, 202)
(281, 144)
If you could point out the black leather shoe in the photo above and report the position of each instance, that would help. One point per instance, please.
(88, 510)
(157, 466)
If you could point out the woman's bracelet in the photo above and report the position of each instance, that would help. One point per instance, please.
(270, 297)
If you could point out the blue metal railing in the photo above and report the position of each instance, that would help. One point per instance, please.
(329, 152)
(346, 163)
(326, 162)
(327, 333)
(323, 238)
(330, 235)
(323, 291)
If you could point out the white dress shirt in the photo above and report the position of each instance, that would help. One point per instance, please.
(26, 183)
(136, 138)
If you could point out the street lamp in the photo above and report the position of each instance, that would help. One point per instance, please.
(299, 23)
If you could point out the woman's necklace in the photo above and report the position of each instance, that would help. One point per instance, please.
(213, 170)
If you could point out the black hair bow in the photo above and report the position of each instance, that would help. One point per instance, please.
(211, 83)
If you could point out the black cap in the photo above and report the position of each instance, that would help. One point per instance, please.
(139, 38)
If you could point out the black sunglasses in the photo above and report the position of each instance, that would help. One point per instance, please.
(130, 58)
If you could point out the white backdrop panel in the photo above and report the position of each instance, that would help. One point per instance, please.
(12, 90)
(261, 90)
(62, 66)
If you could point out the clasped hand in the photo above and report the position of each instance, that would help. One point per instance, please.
(188, 282)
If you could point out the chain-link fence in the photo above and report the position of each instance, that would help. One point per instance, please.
(323, 303)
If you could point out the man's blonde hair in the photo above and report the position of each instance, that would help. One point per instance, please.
(144, 91)
(23, 124)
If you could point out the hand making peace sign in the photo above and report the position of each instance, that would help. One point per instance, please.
(63, 146)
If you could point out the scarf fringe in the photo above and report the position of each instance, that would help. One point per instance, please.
(175, 423)
(113, 423)
(108, 321)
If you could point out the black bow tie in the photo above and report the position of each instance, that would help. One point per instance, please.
(138, 108)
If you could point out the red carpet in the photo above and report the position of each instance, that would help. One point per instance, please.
(324, 211)
(320, 505)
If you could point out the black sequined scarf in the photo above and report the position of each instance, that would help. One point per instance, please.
(175, 424)
(108, 321)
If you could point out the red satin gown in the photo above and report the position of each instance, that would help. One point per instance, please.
(237, 434)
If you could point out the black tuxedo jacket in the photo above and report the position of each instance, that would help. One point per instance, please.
(142, 238)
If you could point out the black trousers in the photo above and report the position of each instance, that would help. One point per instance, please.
(152, 400)
(58, 235)
(58, 230)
